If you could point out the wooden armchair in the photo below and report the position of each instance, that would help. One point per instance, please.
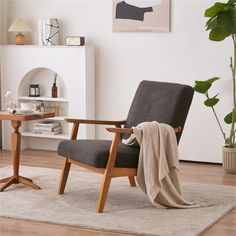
(154, 101)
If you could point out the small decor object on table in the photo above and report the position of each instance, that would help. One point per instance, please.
(75, 41)
(10, 106)
(27, 107)
(34, 90)
(54, 87)
(47, 127)
(48, 31)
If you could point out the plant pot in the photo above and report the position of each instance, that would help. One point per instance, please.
(229, 160)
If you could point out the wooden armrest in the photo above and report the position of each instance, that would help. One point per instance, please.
(130, 131)
(178, 129)
(120, 130)
(96, 122)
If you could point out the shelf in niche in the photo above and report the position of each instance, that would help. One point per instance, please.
(60, 99)
(56, 136)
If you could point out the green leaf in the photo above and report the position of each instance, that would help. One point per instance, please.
(209, 20)
(212, 80)
(200, 81)
(226, 21)
(232, 1)
(201, 86)
(211, 102)
(222, 22)
(228, 118)
(215, 9)
(211, 23)
(217, 34)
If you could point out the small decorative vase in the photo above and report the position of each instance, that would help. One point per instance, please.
(10, 106)
(54, 90)
(229, 160)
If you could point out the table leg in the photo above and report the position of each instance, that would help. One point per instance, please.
(15, 179)
(16, 142)
(4, 180)
(27, 182)
(11, 181)
(26, 178)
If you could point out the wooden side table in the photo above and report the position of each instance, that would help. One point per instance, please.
(16, 120)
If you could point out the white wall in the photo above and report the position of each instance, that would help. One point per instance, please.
(3, 21)
(3, 40)
(124, 59)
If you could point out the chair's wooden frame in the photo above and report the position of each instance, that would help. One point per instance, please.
(110, 171)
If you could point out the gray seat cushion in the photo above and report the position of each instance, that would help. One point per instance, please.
(95, 153)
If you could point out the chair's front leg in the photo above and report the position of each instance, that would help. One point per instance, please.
(67, 164)
(108, 173)
(64, 176)
(131, 178)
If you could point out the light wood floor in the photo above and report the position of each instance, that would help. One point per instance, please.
(191, 172)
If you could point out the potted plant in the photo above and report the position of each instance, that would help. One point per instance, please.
(222, 24)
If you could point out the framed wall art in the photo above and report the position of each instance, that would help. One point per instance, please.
(141, 16)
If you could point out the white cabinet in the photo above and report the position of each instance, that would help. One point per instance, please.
(25, 65)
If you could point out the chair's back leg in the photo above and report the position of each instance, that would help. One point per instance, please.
(64, 176)
(132, 181)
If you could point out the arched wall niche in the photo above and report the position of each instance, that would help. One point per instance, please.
(45, 78)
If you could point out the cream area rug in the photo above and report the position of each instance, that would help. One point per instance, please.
(127, 209)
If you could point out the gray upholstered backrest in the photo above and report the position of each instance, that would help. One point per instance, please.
(162, 102)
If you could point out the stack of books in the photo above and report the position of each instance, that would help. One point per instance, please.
(47, 127)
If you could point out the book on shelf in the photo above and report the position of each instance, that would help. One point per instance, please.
(47, 124)
(47, 132)
(47, 127)
(36, 128)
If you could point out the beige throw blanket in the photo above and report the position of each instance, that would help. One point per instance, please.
(158, 167)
